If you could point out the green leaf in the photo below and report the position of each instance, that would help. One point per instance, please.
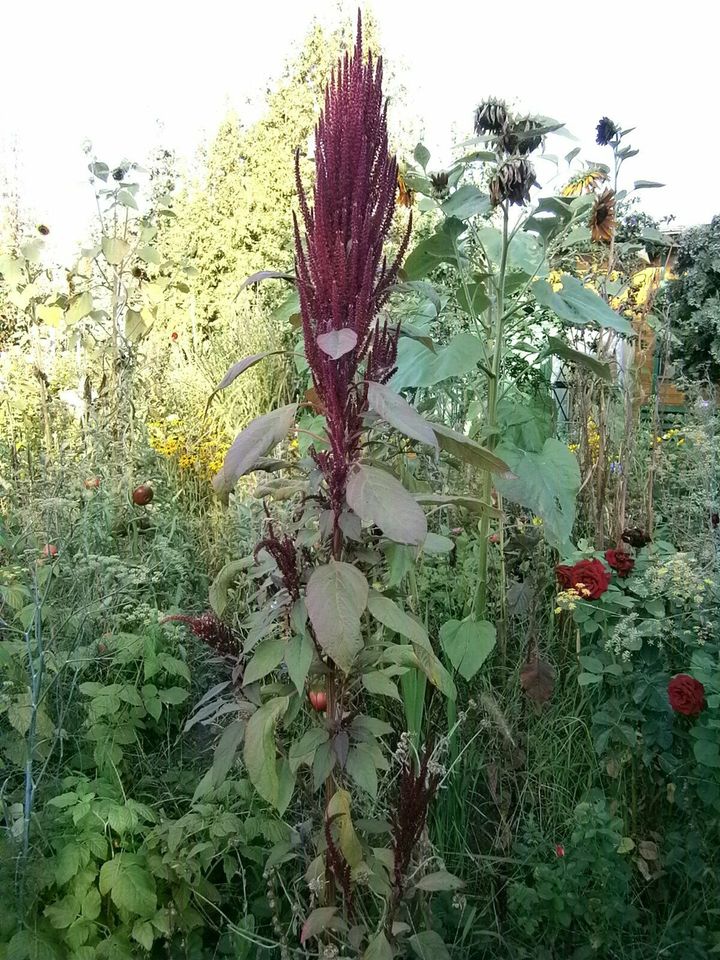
(255, 441)
(441, 880)
(425, 660)
(646, 185)
(429, 945)
(578, 305)
(303, 750)
(525, 251)
(115, 249)
(63, 912)
(224, 581)
(130, 886)
(226, 751)
(389, 614)
(380, 683)
(441, 247)
(559, 348)
(436, 544)
(466, 202)
(462, 447)
(360, 766)
(547, 482)
(142, 931)
(419, 367)
(316, 923)
(472, 298)
(260, 753)
(235, 370)
(136, 327)
(396, 411)
(337, 595)
(67, 863)
(268, 654)
(173, 695)
(421, 155)
(378, 949)
(299, 653)
(378, 497)
(338, 811)
(80, 307)
(468, 643)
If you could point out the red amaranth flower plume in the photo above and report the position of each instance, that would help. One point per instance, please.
(211, 630)
(343, 276)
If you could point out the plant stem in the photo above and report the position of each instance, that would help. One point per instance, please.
(493, 380)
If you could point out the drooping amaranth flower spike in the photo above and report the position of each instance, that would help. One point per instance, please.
(342, 275)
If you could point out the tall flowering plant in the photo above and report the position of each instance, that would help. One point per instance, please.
(324, 647)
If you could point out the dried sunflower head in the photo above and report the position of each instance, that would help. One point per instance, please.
(586, 182)
(606, 130)
(602, 219)
(439, 183)
(519, 137)
(491, 116)
(512, 182)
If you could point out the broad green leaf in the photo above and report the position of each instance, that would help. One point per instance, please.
(472, 298)
(136, 325)
(226, 751)
(462, 447)
(425, 660)
(150, 254)
(142, 931)
(63, 912)
(317, 923)
(421, 155)
(377, 497)
(389, 614)
(578, 305)
(429, 945)
(218, 594)
(396, 411)
(337, 595)
(267, 655)
(548, 483)
(525, 251)
(441, 880)
(437, 544)
(559, 348)
(303, 750)
(360, 766)
(378, 948)
(338, 810)
(336, 343)
(466, 202)
(467, 643)
(442, 247)
(80, 307)
(419, 367)
(380, 684)
(254, 442)
(299, 653)
(130, 885)
(67, 863)
(260, 752)
(115, 250)
(472, 504)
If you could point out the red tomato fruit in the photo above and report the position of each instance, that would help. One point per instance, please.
(143, 495)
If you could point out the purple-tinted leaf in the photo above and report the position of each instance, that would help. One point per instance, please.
(336, 597)
(266, 275)
(254, 442)
(396, 411)
(377, 497)
(236, 369)
(336, 343)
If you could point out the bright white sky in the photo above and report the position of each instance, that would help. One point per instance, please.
(133, 74)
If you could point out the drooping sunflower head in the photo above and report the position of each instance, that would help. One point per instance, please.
(491, 116)
(512, 182)
(606, 130)
(520, 136)
(440, 183)
(586, 182)
(602, 219)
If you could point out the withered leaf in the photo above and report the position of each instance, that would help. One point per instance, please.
(537, 678)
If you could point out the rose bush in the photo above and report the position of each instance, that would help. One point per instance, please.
(589, 577)
(621, 562)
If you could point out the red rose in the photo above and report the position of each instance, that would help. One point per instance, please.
(686, 695)
(588, 577)
(559, 850)
(620, 561)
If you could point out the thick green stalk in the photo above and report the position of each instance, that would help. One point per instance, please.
(493, 382)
